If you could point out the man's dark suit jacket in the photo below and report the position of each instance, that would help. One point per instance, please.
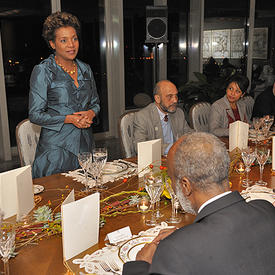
(229, 236)
(264, 104)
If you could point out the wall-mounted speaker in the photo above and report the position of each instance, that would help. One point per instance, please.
(156, 24)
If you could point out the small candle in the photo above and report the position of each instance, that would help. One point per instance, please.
(143, 204)
(240, 168)
(143, 207)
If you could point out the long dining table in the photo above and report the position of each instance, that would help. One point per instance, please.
(46, 257)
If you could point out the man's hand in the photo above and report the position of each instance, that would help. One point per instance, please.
(147, 252)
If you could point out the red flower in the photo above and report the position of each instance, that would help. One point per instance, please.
(125, 180)
(151, 166)
(161, 167)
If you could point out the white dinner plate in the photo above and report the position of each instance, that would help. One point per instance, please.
(128, 251)
(37, 189)
(114, 168)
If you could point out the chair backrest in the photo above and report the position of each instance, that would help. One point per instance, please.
(198, 116)
(27, 136)
(249, 102)
(126, 133)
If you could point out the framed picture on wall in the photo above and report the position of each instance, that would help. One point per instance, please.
(221, 43)
(237, 43)
(207, 44)
(260, 43)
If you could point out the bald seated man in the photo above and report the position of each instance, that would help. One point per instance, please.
(161, 119)
(228, 235)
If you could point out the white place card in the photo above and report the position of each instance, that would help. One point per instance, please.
(273, 153)
(80, 224)
(238, 135)
(120, 235)
(148, 152)
(16, 192)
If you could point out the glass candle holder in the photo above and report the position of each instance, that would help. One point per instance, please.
(240, 168)
(143, 204)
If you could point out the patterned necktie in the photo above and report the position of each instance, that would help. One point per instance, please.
(165, 118)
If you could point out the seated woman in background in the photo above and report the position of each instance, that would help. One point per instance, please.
(63, 99)
(229, 108)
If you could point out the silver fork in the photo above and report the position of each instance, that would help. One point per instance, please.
(107, 268)
(114, 266)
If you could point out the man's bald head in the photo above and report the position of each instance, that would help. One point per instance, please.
(166, 96)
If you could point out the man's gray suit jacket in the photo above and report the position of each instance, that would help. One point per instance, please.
(147, 125)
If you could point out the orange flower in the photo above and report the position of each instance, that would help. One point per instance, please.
(125, 180)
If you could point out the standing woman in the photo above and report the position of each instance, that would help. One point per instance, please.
(63, 99)
(229, 108)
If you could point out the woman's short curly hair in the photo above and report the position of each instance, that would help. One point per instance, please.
(57, 20)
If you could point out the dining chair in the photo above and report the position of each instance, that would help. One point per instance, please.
(125, 125)
(27, 136)
(249, 102)
(198, 116)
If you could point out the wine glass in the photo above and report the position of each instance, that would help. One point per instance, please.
(174, 202)
(7, 239)
(154, 189)
(85, 159)
(158, 214)
(267, 123)
(262, 154)
(100, 156)
(248, 156)
(257, 122)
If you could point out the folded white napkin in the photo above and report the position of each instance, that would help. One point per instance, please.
(91, 263)
(257, 192)
(78, 175)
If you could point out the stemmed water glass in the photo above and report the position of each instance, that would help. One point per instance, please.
(7, 239)
(267, 123)
(158, 214)
(85, 159)
(262, 154)
(100, 156)
(257, 122)
(154, 188)
(174, 202)
(248, 156)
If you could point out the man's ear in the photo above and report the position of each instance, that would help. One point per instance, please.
(157, 99)
(186, 186)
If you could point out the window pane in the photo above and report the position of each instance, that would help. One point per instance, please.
(177, 46)
(23, 47)
(263, 46)
(91, 16)
(225, 36)
(137, 55)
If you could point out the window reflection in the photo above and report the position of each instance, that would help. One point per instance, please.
(92, 49)
(23, 47)
(263, 68)
(138, 56)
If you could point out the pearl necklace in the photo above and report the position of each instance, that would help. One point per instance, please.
(71, 72)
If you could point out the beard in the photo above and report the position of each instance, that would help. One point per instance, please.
(184, 202)
(168, 109)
